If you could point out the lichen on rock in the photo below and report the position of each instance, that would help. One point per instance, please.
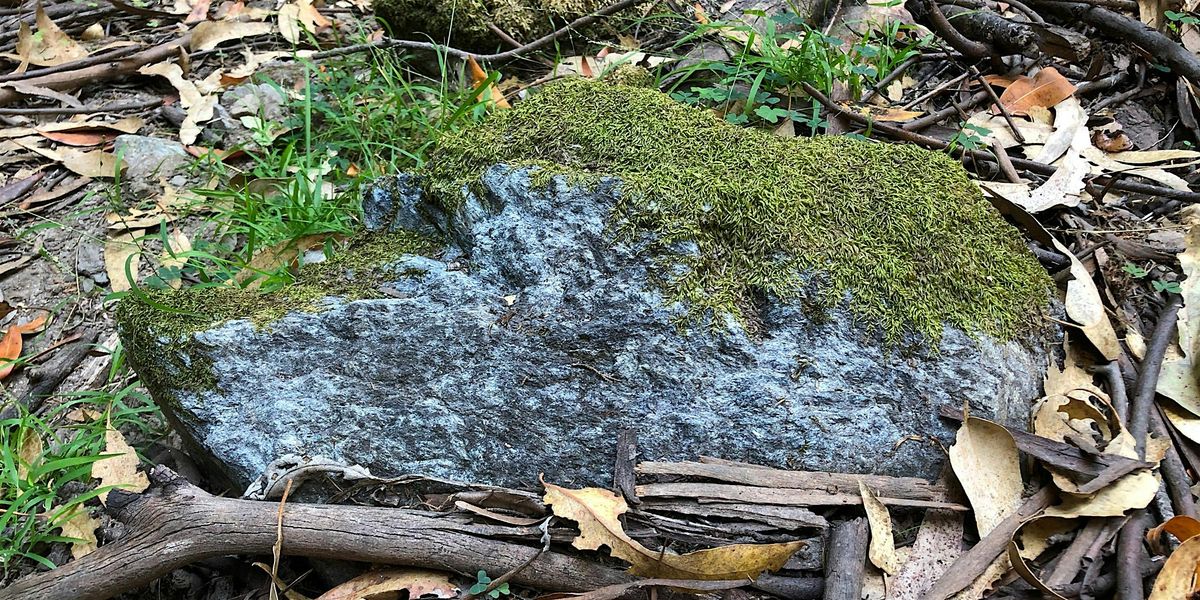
(899, 231)
(465, 24)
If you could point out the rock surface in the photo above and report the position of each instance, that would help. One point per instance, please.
(535, 338)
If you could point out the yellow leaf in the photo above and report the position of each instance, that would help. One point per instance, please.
(1084, 306)
(492, 94)
(1178, 576)
(882, 550)
(120, 470)
(177, 243)
(120, 249)
(597, 512)
(200, 106)
(77, 523)
(985, 460)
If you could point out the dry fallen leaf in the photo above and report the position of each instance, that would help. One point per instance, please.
(492, 94)
(78, 524)
(1178, 576)
(28, 452)
(200, 106)
(1179, 379)
(177, 244)
(121, 250)
(120, 470)
(1084, 306)
(985, 460)
(597, 512)
(209, 34)
(417, 583)
(48, 47)
(1045, 89)
(10, 351)
(882, 550)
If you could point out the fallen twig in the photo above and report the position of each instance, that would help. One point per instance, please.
(846, 560)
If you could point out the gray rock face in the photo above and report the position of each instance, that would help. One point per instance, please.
(147, 158)
(536, 338)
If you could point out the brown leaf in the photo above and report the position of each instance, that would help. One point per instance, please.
(209, 34)
(10, 351)
(987, 464)
(283, 254)
(1178, 576)
(492, 95)
(1111, 142)
(29, 452)
(597, 512)
(79, 139)
(35, 325)
(418, 583)
(1043, 90)
(120, 470)
(50, 46)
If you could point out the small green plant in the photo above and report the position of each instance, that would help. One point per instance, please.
(1177, 19)
(762, 82)
(482, 581)
(1134, 271)
(356, 119)
(969, 137)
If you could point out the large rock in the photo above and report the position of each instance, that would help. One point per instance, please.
(536, 332)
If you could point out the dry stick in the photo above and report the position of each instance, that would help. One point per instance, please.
(499, 56)
(941, 87)
(70, 110)
(1071, 559)
(70, 80)
(971, 564)
(1005, 162)
(1118, 26)
(1028, 165)
(175, 523)
(998, 104)
(1129, 542)
(942, 26)
(846, 560)
(72, 65)
(936, 117)
(1175, 476)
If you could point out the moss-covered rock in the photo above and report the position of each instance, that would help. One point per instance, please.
(900, 230)
(465, 24)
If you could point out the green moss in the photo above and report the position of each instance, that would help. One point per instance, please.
(155, 318)
(465, 23)
(901, 229)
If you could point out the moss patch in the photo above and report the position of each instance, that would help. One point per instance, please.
(901, 229)
(170, 317)
(466, 21)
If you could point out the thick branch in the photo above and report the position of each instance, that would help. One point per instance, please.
(174, 524)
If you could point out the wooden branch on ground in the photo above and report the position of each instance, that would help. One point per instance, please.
(847, 560)
(175, 523)
(910, 488)
(779, 496)
(63, 81)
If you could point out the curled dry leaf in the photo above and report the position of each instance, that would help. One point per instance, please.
(882, 550)
(1178, 576)
(1182, 527)
(120, 470)
(597, 512)
(939, 543)
(987, 464)
(418, 583)
(29, 451)
(1084, 306)
(1179, 379)
(200, 106)
(492, 94)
